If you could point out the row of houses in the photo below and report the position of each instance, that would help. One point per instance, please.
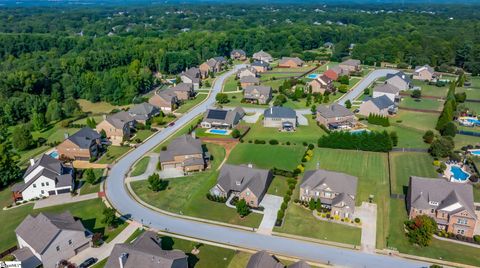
(324, 83)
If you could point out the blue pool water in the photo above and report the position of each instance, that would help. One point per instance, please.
(219, 131)
(358, 131)
(474, 121)
(54, 154)
(459, 174)
(312, 76)
(475, 152)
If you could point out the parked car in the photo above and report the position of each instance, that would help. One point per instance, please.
(88, 262)
(171, 124)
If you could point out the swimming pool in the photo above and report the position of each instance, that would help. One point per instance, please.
(312, 76)
(459, 174)
(219, 131)
(359, 131)
(474, 121)
(54, 154)
(475, 152)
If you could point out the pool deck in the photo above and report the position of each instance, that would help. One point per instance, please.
(448, 174)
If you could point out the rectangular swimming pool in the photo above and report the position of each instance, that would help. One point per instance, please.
(219, 131)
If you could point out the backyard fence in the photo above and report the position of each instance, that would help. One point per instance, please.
(468, 133)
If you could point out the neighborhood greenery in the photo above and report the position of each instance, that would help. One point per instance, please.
(378, 119)
(365, 141)
(156, 184)
(420, 230)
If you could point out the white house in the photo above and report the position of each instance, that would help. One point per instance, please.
(44, 177)
(392, 92)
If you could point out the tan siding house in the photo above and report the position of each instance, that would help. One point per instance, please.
(117, 127)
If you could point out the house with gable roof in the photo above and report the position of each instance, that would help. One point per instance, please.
(238, 54)
(143, 112)
(213, 65)
(263, 259)
(184, 153)
(321, 84)
(380, 105)
(258, 94)
(335, 117)
(399, 80)
(424, 73)
(391, 91)
(117, 127)
(83, 145)
(166, 100)
(289, 62)
(262, 56)
(220, 118)
(260, 66)
(191, 76)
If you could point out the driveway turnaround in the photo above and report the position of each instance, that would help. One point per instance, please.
(120, 199)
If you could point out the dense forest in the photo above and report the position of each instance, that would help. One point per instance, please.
(51, 56)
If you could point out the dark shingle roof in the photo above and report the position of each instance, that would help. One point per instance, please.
(238, 178)
(260, 63)
(262, 259)
(26, 256)
(119, 119)
(386, 88)
(249, 79)
(381, 102)
(279, 112)
(333, 110)
(183, 145)
(336, 181)
(84, 137)
(239, 51)
(402, 76)
(299, 264)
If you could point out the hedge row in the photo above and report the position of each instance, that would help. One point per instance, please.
(366, 141)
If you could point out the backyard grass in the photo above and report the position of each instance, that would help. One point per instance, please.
(140, 167)
(431, 90)
(113, 153)
(278, 187)
(185, 107)
(372, 172)
(416, 120)
(235, 99)
(425, 104)
(329, 65)
(407, 137)
(83, 121)
(473, 93)
(474, 106)
(267, 156)
(406, 164)
(186, 195)
(464, 140)
(88, 188)
(231, 84)
(98, 107)
(55, 133)
(32, 153)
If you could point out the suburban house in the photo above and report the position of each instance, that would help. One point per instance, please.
(334, 190)
(238, 54)
(450, 204)
(146, 252)
(165, 100)
(247, 71)
(382, 105)
(191, 76)
(339, 71)
(245, 182)
(247, 81)
(263, 56)
(44, 177)
(184, 153)
(117, 127)
(262, 259)
(392, 92)
(260, 66)
(331, 74)
(335, 116)
(183, 91)
(143, 112)
(213, 65)
(288, 62)
(257, 94)
(219, 118)
(49, 238)
(321, 84)
(351, 65)
(280, 117)
(83, 145)
(399, 80)
(424, 73)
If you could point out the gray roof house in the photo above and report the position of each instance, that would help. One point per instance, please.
(335, 116)
(146, 252)
(263, 56)
(143, 112)
(238, 54)
(82, 145)
(391, 91)
(219, 118)
(260, 94)
(280, 117)
(120, 119)
(250, 79)
(399, 80)
(183, 153)
(50, 238)
(246, 182)
(262, 259)
(184, 91)
(44, 177)
(382, 105)
(450, 204)
(334, 189)
(191, 76)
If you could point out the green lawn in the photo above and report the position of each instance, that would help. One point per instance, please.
(185, 107)
(236, 98)
(279, 186)
(474, 106)
(324, 67)
(181, 131)
(267, 156)
(371, 170)
(143, 134)
(186, 195)
(135, 234)
(83, 121)
(32, 153)
(473, 92)
(98, 107)
(140, 167)
(431, 90)
(407, 137)
(54, 133)
(88, 188)
(415, 120)
(231, 84)
(425, 104)
(113, 153)
(240, 260)
(309, 134)
(464, 140)
(406, 164)
(275, 84)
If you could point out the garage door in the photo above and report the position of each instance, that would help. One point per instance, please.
(63, 191)
(83, 247)
(51, 193)
(168, 166)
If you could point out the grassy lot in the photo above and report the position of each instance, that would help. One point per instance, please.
(463, 140)
(185, 107)
(98, 107)
(286, 157)
(55, 133)
(431, 90)
(438, 249)
(186, 195)
(88, 188)
(405, 164)
(90, 212)
(83, 121)
(279, 186)
(140, 167)
(473, 92)
(372, 172)
(474, 106)
(236, 98)
(329, 65)
(32, 153)
(407, 137)
(309, 134)
(231, 84)
(143, 134)
(113, 153)
(416, 120)
(425, 104)
(180, 132)
(274, 84)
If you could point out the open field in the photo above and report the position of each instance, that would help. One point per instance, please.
(261, 156)
(113, 153)
(186, 195)
(140, 166)
(405, 164)
(425, 104)
(98, 107)
(191, 103)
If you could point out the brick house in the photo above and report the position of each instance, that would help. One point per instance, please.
(238, 54)
(184, 153)
(117, 127)
(321, 84)
(335, 117)
(247, 81)
(288, 62)
(165, 100)
(351, 65)
(380, 105)
(424, 73)
(260, 94)
(83, 145)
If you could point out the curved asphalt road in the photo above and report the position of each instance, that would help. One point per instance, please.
(366, 82)
(121, 200)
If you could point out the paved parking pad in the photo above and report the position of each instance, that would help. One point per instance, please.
(272, 204)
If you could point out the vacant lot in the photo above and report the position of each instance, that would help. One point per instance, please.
(422, 103)
(113, 153)
(98, 107)
(404, 164)
(267, 156)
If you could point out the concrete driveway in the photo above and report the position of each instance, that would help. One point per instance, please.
(272, 204)
(170, 173)
(61, 199)
(252, 119)
(151, 168)
(367, 213)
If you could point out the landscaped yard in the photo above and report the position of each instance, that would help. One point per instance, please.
(88, 188)
(422, 103)
(191, 103)
(267, 156)
(231, 84)
(113, 153)
(83, 121)
(406, 164)
(140, 167)
(98, 107)
(187, 195)
(142, 134)
(279, 186)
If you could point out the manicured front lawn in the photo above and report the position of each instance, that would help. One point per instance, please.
(191, 103)
(187, 195)
(239, 260)
(422, 103)
(267, 156)
(406, 164)
(140, 166)
(142, 134)
(279, 186)
(113, 153)
(231, 84)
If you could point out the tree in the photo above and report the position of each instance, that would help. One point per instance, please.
(428, 136)
(314, 109)
(38, 121)
(109, 217)
(89, 176)
(71, 107)
(54, 111)
(343, 88)
(460, 97)
(312, 204)
(242, 208)
(394, 138)
(9, 170)
(442, 147)
(450, 129)
(420, 230)
(156, 184)
(416, 94)
(235, 133)
(103, 134)
(21, 138)
(348, 104)
(91, 122)
(344, 80)
(280, 100)
(222, 98)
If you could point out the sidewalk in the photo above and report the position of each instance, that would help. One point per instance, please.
(62, 199)
(104, 251)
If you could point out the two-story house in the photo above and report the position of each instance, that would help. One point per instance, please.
(213, 65)
(238, 54)
(166, 100)
(184, 91)
(424, 73)
(262, 56)
(191, 76)
(399, 80)
(279, 117)
(44, 177)
(335, 117)
(260, 66)
(380, 105)
(220, 118)
(334, 190)
(117, 127)
(351, 65)
(142, 112)
(321, 84)
(184, 153)
(257, 94)
(247, 81)
(83, 145)
(247, 71)
(450, 204)
(48, 238)
(246, 182)
(391, 91)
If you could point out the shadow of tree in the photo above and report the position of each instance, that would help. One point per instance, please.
(192, 260)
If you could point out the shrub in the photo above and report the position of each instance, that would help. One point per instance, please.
(366, 141)
(288, 143)
(242, 208)
(259, 141)
(235, 133)
(273, 142)
(428, 136)
(311, 147)
(312, 204)
(164, 148)
(420, 230)
(156, 184)
(378, 120)
(476, 238)
(357, 220)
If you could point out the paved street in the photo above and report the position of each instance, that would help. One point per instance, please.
(123, 202)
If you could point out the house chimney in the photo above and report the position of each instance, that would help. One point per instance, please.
(32, 162)
(104, 117)
(194, 135)
(122, 259)
(65, 135)
(250, 165)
